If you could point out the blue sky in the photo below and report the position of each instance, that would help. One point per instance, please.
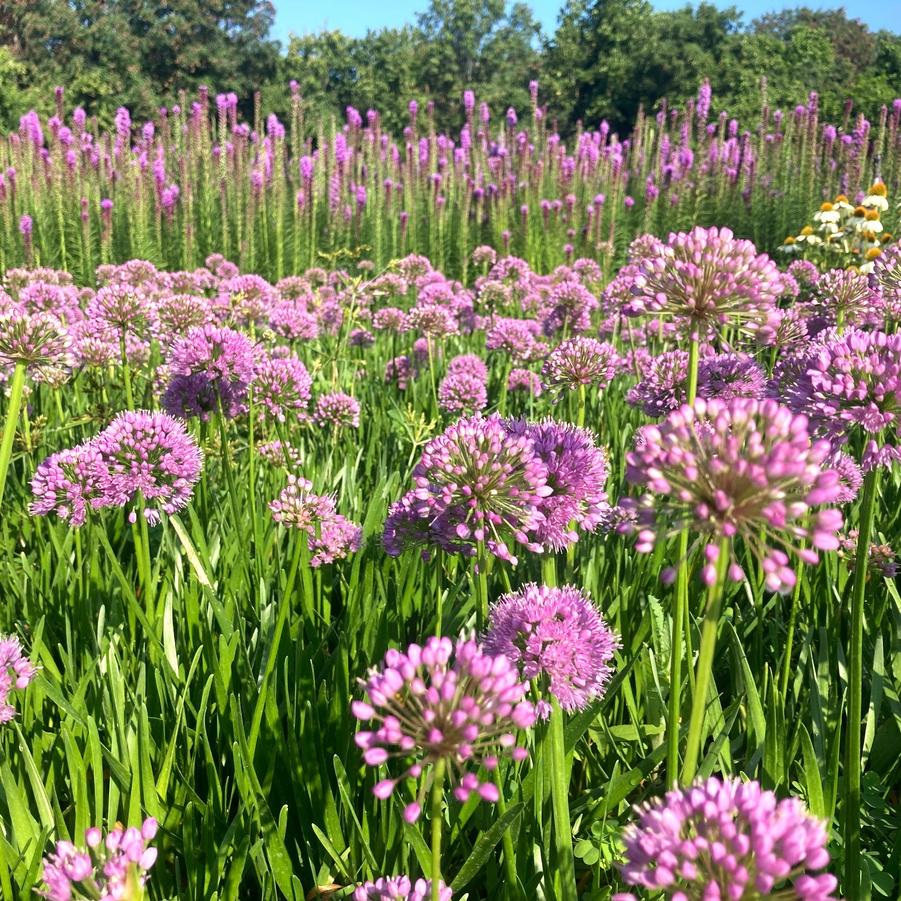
(355, 17)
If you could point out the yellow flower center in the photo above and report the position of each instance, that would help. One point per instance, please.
(807, 230)
(842, 198)
(872, 253)
(872, 215)
(826, 207)
(878, 188)
(860, 211)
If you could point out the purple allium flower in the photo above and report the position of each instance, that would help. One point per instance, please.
(848, 385)
(337, 411)
(389, 319)
(484, 255)
(278, 454)
(850, 476)
(882, 557)
(16, 671)
(123, 307)
(433, 320)
(663, 384)
(576, 476)
(70, 483)
(727, 839)
(223, 357)
(330, 536)
(518, 337)
(469, 364)
(737, 468)
(361, 337)
(580, 361)
(150, 455)
(705, 279)
(845, 297)
(784, 329)
(556, 633)
(730, 375)
(111, 868)
(176, 314)
(443, 701)
(401, 371)
(282, 385)
(36, 339)
(462, 392)
(400, 888)
(569, 307)
(477, 482)
(804, 273)
(524, 380)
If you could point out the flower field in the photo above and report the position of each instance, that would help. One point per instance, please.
(494, 516)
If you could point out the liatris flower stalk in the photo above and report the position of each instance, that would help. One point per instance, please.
(726, 470)
(449, 708)
(115, 868)
(16, 672)
(727, 839)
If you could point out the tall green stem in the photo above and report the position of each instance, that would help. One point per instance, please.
(855, 689)
(126, 373)
(436, 815)
(507, 841)
(680, 614)
(789, 642)
(16, 389)
(563, 833)
(704, 671)
(481, 580)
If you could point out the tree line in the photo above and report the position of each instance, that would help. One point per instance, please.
(605, 59)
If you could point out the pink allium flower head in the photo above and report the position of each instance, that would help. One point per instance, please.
(123, 307)
(517, 337)
(469, 364)
(850, 476)
(555, 633)
(580, 361)
(462, 392)
(727, 839)
(109, 869)
(400, 370)
(706, 278)
(330, 536)
(337, 411)
(524, 380)
(443, 701)
(477, 482)
(37, 339)
(389, 319)
(730, 375)
(16, 671)
(569, 307)
(576, 475)
(663, 384)
(70, 484)
(739, 468)
(221, 357)
(149, 454)
(850, 385)
(847, 297)
(433, 320)
(400, 888)
(176, 314)
(282, 385)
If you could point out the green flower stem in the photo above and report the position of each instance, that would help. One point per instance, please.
(126, 373)
(16, 388)
(436, 815)
(789, 641)
(704, 669)
(851, 885)
(680, 615)
(563, 833)
(480, 576)
(580, 419)
(507, 841)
